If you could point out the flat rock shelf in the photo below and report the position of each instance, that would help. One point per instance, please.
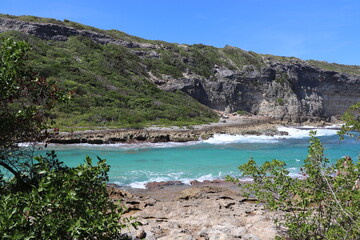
(203, 211)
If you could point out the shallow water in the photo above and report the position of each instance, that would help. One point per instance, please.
(136, 164)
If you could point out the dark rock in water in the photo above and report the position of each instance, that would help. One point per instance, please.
(271, 134)
(283, 133)
(96, 141)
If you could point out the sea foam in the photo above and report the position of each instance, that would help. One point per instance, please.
(227, 138)
(176, 176)
(293, 133)
(126, 146)
(294, 173)
(304, 132)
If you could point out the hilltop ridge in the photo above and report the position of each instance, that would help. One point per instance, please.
(121, 79)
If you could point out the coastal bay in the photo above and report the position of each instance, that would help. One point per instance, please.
(138, 163)
(106, 135)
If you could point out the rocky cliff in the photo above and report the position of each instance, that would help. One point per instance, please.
(227, 79)
(294, 90)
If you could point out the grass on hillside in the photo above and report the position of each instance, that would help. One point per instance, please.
(109, 85)
(350, 69)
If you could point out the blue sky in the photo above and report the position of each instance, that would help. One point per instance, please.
(327, 30)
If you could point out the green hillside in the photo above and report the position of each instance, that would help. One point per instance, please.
(111, 84)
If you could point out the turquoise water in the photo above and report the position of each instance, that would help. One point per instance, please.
(134, 165)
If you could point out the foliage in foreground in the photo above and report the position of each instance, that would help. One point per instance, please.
(322, 205)
(44, 199)
(63, 203)
(25, 102)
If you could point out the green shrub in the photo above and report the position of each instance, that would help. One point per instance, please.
(241, 112)
(63, 203)
(323, 205)
(280, 101)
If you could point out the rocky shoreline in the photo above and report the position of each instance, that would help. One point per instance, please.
(232, 125)
(253, 125)
(203, 211)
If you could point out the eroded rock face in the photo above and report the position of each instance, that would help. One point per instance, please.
(295, 92)
(57, 32)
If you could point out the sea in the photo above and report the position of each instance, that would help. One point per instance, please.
(134, 165)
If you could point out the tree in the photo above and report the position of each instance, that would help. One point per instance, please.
(323, 205)
(66, 203)
(45, 199)
(25, 101)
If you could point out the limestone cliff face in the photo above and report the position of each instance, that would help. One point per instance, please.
(291, 90)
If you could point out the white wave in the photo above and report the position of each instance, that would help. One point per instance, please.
(126, 146)
(140, 185)
(169, 177)
(30, 144)
(303, 132)
(292, 133)
(246, 179)
(227, 138)
(335, 126)
(25, 144)
(209, 177)
(161, 177)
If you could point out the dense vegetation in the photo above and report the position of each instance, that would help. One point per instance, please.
(61, 203)
(322, 205)
(40, 198)
(109, 86)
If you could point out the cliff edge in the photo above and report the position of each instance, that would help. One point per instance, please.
(226, 79)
